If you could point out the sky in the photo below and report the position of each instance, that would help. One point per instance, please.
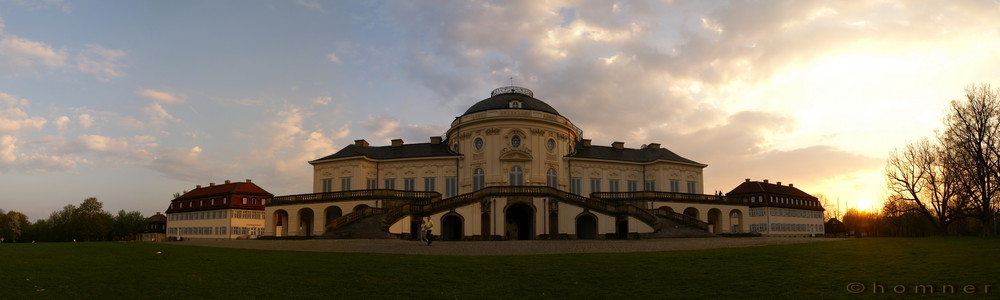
(132, 101)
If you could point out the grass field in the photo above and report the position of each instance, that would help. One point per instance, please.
(812, 270)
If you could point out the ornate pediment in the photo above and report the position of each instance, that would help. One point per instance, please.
(515, 155)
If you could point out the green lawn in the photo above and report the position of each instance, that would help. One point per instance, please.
(813, 270)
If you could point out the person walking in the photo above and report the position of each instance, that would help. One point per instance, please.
(428, 228)
(423, 230)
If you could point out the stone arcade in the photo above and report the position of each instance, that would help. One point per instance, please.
(510, 167)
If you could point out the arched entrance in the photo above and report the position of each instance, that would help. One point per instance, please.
(519, 222)
(359, 207)
(305, 222)
(280, 223)
(715, 220)
(586, 227)
(451, 227)
(736, 221)
(332, 213)
(667, 208)
(691, 212)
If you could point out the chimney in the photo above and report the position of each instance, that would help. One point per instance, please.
(791, 185)
(361, 143)
(197, 186)
(435, 140)
(779, 182)
(653, 146)
(228, 182)
(397, 142)
(586, 143)
(748, 180)
(765, 180)
(249, 181)
(618, 145)
(211, 184)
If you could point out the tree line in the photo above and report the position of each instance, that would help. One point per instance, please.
(951, 181)
(86, 222)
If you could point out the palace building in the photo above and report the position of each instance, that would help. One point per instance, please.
(233, 210)
(510, 167)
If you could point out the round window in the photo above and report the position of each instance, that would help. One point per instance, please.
(515, 141)
(550, 144)
(479, 143)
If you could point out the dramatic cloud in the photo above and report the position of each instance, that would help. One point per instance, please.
(162, 96)
(102, 62)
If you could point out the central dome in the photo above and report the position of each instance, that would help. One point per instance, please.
(502, 98)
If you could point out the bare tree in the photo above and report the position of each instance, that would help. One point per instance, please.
(972, 138)
(921, 174)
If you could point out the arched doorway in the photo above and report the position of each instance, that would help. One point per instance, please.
(359, 207)
(305, 222)
(736, 221)
(332, 213)
(280, 223)
(691, 212)
(586, 227)
(667, 208)
(519, 222)
(451, 227)
(715, 220)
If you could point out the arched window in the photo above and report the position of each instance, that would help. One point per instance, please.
(478, 179)
(515, 141)
(516, 176)
(550, 178)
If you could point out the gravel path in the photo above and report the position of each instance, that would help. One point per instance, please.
(501, 247)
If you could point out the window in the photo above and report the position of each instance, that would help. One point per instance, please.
(371, 184)
(675, 186)
(429, 184)
(550, 144)
(345, 183)
(575, 185)
(244, 200)
(409, 184)
(327, 185)
(595, 185)
(479, 143)
(390, 183)
(692, 187)
(632, 186)
(450, 186)
(516, 175)
(478, 179)
(550, 178)
(515, 104)
(201, 202)
(213, 201)
(613, 185)
(650, 185)
(515, 141)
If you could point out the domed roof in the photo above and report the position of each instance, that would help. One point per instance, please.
(501, 99)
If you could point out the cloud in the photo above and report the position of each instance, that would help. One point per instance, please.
(322, 100)
(20, 55)
(157, 115)
(61, 122)
(102, 62)
(13, 118)
(333, 58)
(103, 144)
(12, 158)
(162, 96)
(86, 121)
(181, 163)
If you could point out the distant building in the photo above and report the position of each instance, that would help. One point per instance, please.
(233, 210)
(780, 210)
(156, 228)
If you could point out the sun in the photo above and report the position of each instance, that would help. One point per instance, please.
(864, 204)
